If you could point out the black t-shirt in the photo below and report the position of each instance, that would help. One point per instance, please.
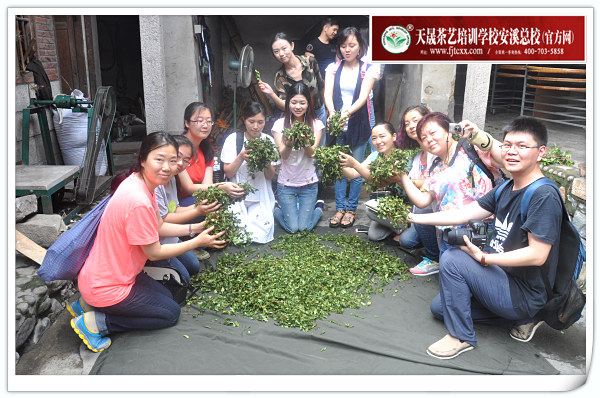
(543, 220)
(324, 53)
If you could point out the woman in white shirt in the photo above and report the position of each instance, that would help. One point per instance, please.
(256, 210)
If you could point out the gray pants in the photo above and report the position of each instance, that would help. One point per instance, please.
(380, 228)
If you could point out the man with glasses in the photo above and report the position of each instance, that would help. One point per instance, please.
(502, 282)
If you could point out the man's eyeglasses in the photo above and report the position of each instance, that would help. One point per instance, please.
(203, 121)
(185, 161)
(518, 147)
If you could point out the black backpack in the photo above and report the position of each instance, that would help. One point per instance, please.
(239, 144)
(565, 299)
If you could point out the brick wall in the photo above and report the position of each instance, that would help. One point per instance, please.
(43, 33)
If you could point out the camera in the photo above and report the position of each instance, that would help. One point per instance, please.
(476, 232)
(455, 128)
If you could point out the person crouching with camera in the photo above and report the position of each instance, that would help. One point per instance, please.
(502, 281)
(454, 180)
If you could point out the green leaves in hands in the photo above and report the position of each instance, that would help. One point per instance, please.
(334, 125)
(393, 208)
(226, 220)
(257, 73)
(300, 135)
(387, 166)
(262, 153)
(327, 159)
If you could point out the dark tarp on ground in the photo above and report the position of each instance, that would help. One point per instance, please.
(388, 337)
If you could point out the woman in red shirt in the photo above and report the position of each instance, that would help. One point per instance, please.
(198, 121)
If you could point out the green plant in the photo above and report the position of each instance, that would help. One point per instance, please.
(262, 153)
(299, 135)
(304, 278)
(327, 159)
(213, 193)
(225, 220)
(555, 155)
(257, 73)
(393, 208)
(335, 123)
(389, 165)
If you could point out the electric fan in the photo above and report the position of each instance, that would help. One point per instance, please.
(243, 67)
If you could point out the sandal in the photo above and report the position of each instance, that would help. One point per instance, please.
(334, 221)
(349, 217)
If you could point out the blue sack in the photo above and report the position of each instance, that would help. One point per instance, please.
(67, 255)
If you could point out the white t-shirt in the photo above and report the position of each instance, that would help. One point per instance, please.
(298, 169)
(228, 155)
(348, 81)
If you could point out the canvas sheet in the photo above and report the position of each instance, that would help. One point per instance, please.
(389, 337)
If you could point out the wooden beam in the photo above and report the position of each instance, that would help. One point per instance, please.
(29, 248)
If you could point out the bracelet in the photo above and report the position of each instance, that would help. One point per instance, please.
(190, 229)
(482, 261)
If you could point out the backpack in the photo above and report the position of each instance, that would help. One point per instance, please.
(565, 299)
(239, 144)
(67, 255)
(171, 279)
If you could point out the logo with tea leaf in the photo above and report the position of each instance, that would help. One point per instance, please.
(395, 39)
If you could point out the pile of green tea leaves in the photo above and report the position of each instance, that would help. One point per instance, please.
(300, 135)
(224, 219)
(393, 208)
(388, 165)
(335, 124)
(327, 159)
(262, 153)
(305, 278)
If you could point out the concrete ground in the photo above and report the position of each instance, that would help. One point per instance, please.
(60, 351)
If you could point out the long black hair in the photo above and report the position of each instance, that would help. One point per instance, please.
(205, 146)
(404, 141)
(298, 88)
(389, 127)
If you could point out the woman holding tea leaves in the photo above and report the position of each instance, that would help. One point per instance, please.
(297, 135)
(255, 211)
(418, 235)
(116, 296)
(198, 123)
(294, 69)
(454, 181)
(348, 84)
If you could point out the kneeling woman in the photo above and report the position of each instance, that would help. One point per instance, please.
(297, 182)
(116, 295)
(256, 210)
(383, 137)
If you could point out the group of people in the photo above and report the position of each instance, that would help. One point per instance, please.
(153, 206)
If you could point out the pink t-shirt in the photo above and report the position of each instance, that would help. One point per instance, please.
(129, 221)
(298, 169)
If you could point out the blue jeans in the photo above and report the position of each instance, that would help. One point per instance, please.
(471, 293)
(186, 264)
(149, 305)
(322, 115)
(418, 235)
(298, 212)
(355, 184)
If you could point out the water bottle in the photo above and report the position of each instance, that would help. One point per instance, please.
(218, 173)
